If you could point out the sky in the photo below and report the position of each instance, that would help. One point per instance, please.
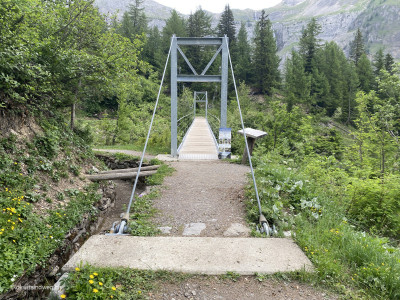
(216, 6)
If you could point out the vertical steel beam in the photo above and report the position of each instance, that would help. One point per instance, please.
(194, 103)
(174, 98)
(206, 106)
(224, 81)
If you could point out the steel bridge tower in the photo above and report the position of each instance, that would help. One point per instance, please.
(222, 42)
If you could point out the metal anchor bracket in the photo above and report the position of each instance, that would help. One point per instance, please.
(264, 227)
(120, 228)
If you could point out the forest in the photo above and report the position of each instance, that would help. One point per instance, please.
(328, 170)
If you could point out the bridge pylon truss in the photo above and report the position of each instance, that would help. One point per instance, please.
(222, 78)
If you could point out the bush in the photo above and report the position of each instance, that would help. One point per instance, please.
(375, 205)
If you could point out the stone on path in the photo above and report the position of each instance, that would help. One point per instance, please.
(193, 229)
(205, 255)
(165, 229)
(237, 229)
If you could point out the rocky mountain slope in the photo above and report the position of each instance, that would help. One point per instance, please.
(379, 20)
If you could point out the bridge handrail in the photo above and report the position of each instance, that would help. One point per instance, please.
(214, 127)
(184, 126)
(184, 117)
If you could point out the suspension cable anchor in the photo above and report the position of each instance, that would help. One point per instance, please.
(120, 228)
(265, 227)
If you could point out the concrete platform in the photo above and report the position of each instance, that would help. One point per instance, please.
(198, 255)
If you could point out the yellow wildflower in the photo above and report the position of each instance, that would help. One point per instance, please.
(100, 283)
(91, 276)
(63, 296)
(91, 281)
(95, 290)
(77, 269)
(95, 274)
(113, 288)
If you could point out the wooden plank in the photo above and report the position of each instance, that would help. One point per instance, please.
(112, 176)
(146, 168)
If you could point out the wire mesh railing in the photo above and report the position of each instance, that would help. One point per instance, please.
(183, 126)
(214, 123)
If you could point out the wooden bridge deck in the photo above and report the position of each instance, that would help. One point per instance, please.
(199, 142)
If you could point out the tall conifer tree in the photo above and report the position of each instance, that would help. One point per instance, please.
(226, 25)
(365, 73)
(309, 44)
(379, 62)
(389, 63)
(265, 58)
(357, 47)
(243, 60)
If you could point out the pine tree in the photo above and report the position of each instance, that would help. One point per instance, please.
(349, 92)
(134, 21)
(357, 47)
(365, 73)
(389, 63)
(152, 52)
(174, 25)
(309, 44)
(226, 25)
(379, 62)
(199, 24)
(265, 58)
(243, 60)
(332, 67)
(297, 81)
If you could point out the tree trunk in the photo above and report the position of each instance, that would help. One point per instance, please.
(72, 116)
(113, 176)
(73, 105)
(145, 168)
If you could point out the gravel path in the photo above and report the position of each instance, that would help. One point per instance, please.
(243, 288)
(206, 198)
(203, 198)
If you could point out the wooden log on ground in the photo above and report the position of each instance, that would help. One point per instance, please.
(146, 168)
(112, 176)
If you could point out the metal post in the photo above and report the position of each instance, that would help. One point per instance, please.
(194, 103)
(174, 98)
(206, 105)
(224, 81)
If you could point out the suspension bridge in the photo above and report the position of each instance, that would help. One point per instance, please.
(194, 254)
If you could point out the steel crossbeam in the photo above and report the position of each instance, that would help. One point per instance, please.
(195, 77)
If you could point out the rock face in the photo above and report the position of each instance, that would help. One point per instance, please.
(378, 20)
(379, 23)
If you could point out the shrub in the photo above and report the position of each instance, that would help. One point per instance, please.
(375, 205)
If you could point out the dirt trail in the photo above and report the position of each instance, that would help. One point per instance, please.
(205, 198)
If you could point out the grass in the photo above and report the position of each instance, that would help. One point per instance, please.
(28, 168)
(310, 201)
(142, 210)
(89, 282)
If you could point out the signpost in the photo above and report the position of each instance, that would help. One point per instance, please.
(224, 143)
(251, 135)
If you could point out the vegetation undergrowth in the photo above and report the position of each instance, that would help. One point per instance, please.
(316, 210)
(31, 170)
(88, 282)
(142, 209)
